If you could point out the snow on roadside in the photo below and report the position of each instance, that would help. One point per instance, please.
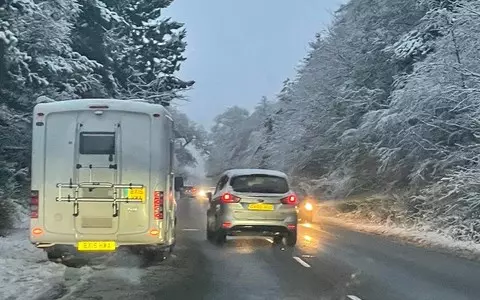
(21, 217)
(25, 272)
(424, 238)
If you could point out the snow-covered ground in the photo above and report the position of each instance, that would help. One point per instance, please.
(25, 272)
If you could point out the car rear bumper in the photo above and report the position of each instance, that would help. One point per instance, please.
(258, 227)
(257, 230)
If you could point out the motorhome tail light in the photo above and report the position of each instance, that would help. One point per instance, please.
(156, 115)
(37, 231)
(98, 107)
(40, 114)
(290, 199)
(229, 198)
(34, 202)
(154, 232)
(158, 205)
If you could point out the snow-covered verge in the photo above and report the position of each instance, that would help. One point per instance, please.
(382, 221)
(21, 217)
(25, 272)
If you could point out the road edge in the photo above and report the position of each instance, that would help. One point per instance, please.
(426, 240)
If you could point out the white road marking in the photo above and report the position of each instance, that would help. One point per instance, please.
(270, 240)
(191, 229)
(301, 261)
(352, 297)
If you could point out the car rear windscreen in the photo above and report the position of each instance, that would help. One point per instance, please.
(259, 183)
(97, 143)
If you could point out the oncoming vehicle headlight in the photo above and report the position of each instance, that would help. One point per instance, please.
(308, 206)
(202, 193)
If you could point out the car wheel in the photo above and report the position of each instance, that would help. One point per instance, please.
(149, 255)
(172, 246)
(291, 238)
(153, 256)
(210, 234)
(54, 254)
(220, 237)
(277, 239)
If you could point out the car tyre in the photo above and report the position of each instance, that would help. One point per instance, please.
(54, 254)
(220, 237)
(210, 234)
(172, 246)
(291, 238)
(277, 240)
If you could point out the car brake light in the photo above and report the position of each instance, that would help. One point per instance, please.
(229, 198)
(34, 202)
(226, 224)
(98, 106)
(290, 199)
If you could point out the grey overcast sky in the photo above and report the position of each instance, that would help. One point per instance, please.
(239, 51)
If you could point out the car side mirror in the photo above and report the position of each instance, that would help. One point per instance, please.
(178, 183)
(209, 196)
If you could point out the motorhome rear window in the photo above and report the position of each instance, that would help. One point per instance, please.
(97, 143)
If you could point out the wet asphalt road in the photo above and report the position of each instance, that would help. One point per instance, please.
(328, 263)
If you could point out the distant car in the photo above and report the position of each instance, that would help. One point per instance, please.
(306, 209)
(201, 193)
(188, 192)
(252, 202)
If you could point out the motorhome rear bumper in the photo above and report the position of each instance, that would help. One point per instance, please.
(48, 239)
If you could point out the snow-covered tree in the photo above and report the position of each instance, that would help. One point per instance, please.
(155, 47)
(97, 34)
(189, 135)
(228, 139)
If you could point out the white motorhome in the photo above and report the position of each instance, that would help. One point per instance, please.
(102, 176)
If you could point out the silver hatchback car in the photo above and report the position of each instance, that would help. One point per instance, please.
(252, 202)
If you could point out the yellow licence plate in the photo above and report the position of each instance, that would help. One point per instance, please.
(136, 194)
(96, 246)
(260, 206)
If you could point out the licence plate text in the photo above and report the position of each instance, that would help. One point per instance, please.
(96, 246)
(260, 206)
(136, 194)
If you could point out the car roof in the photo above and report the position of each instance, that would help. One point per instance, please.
(240, 172)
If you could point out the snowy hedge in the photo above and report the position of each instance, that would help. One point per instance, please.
(452, 205)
